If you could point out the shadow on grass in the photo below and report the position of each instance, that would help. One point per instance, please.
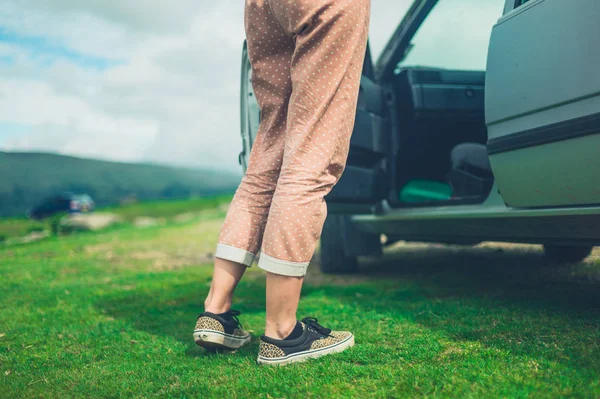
(520, 275)
(169, 308)
(511, 299)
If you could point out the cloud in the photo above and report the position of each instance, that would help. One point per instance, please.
(67, 124)
(137, 80)
(146, 15)
(170, 100)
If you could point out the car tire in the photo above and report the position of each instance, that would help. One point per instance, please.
(567, 253)
(332, 254)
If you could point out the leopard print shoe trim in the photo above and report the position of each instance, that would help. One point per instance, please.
(269, 351)
(334, 338)
(208, 323)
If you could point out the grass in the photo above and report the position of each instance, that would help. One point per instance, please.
(18, 227)
(111, 314)
(167, 209)
(188, 208)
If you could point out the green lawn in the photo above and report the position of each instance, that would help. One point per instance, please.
(18, 227)
(168, 209)
(111, 314)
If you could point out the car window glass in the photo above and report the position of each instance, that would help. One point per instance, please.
(519, 3)
(455, 35)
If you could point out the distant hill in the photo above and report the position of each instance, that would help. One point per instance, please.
(27, 178)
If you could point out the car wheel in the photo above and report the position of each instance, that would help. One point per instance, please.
(333, 256)
(567, 253)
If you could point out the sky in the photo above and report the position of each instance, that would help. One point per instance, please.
(133, 81)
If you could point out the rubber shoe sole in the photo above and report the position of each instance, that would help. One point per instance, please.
(210, 339)
(306, 355)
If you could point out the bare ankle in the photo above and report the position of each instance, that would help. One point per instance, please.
(216, 307)
(279, 330)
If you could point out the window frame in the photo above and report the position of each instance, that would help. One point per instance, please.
(519, 3)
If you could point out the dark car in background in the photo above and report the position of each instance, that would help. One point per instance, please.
(62, 203)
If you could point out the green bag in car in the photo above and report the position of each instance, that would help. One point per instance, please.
(424, 191)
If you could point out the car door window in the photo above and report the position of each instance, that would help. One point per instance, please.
(519, 3)
(455, 35)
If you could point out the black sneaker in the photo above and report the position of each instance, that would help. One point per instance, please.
(315, 341)
(215, 331)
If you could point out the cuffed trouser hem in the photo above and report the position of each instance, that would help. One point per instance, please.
(234, 254)
(282, 267)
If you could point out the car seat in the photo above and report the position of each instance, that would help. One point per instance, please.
(471, 174)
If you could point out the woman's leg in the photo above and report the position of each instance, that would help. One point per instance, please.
(226, 275)
(330, 44)
(270, 50)
(283, 295)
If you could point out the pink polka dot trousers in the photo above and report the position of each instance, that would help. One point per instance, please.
(307, 58)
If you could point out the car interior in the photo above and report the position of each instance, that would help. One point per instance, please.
(441, 136)
(420, 134)
(438, 89)
(437, 155)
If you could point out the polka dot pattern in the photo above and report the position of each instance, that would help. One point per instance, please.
(307, 58)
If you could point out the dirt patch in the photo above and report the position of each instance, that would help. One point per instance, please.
(31, 237)
(148, 222)
(91, 221)
(34, 236)
(185, 217)
(94, 249)
(451, 352)
(162, 260)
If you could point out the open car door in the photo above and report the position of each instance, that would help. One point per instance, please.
(543, 103)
